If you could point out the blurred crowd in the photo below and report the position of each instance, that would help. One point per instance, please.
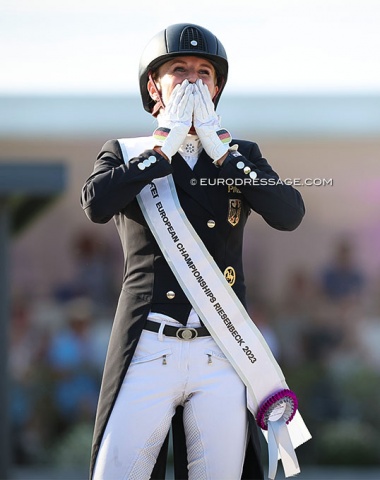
(56, 355)
(324, 330)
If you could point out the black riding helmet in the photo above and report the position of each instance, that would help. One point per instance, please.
(177, 40)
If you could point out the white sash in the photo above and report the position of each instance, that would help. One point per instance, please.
(222, 313)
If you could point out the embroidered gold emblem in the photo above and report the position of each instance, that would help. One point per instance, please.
(234, 211)
(230, 275)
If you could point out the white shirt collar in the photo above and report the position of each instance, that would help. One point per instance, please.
(191, 149)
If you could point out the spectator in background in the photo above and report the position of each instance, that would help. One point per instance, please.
(300, 295)
(26, 352)
(342, 279)
(295, 314)
(73, 364)
(93, 273)
(329, 336)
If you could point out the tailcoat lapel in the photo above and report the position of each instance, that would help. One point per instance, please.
(189, 180)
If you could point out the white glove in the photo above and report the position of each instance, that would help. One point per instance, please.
(214, 139)
(175, 121)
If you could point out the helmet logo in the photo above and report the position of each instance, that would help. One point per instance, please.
(194, 43)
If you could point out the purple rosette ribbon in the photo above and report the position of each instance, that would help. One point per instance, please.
(282, 404)
(273, 415)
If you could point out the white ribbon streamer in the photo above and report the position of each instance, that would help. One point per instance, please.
(280, 445)
(219, 308)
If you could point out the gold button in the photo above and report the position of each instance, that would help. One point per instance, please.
(170, 294)
(247, 170)
(211, 223)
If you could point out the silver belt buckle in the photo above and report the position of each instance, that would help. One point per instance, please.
(186, 333)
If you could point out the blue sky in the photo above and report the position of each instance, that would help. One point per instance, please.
(274, 46)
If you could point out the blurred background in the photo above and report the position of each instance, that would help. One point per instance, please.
(305, 85)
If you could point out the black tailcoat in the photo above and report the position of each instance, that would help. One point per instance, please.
(218, 210)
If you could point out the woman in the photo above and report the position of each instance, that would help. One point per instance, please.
(163, 367)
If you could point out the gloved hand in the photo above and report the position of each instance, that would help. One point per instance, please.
(214, 139)
(175, 121)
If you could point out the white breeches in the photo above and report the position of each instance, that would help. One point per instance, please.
(166, 372)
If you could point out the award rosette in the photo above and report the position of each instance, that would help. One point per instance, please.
(273, 416)
(281, 405)
(274, 406)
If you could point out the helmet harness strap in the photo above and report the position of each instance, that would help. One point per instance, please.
(159, 103)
